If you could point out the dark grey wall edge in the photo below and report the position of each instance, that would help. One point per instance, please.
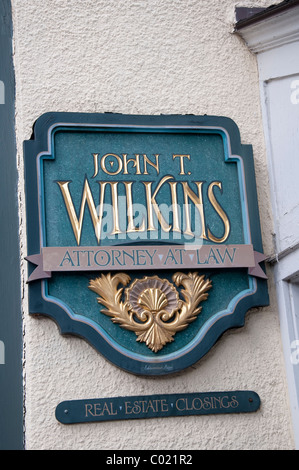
(11, 390)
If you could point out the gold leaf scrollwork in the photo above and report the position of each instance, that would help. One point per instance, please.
(151, 306)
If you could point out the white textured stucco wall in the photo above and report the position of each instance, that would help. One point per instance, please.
(145, 57)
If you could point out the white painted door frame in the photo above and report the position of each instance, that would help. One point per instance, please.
(275, 41)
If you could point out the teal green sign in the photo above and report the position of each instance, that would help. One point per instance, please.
(156, 406)
(143, 234)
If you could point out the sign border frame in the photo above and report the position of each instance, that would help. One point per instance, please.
(40, 144)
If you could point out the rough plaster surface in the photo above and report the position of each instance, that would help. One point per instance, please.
(145, 57)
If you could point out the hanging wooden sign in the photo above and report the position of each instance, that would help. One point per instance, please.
(143, 234)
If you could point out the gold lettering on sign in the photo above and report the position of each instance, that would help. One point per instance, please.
(156, 166)
(152, 204)
(146, 406)
(175, 207)
(206, 403)
(114, 191)
(220, 212)
(119, 162)
(131, 227)
(182, 197)
(95, 162)
(197, 200)
(122, 163)
(86, 197)
(136, 163)
(181, 157)
(99, 409)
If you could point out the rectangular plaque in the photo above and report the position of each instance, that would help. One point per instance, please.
(156, 406)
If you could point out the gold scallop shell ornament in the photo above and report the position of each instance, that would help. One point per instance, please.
(152, 307)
